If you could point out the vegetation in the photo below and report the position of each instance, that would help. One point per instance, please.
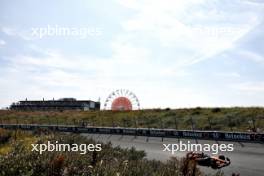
(111, 161)
(227, 119)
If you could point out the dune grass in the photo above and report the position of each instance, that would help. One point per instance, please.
(226, 119)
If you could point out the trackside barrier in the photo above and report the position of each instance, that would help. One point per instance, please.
(149, 132)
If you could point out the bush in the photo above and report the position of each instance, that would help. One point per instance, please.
(111, 161)
(216, 110)
(4, 136)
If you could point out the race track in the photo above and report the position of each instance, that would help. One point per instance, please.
(247, 158)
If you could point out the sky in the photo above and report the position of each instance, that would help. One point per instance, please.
(170, 53)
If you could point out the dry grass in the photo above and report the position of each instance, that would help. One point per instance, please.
(111, 161)
(228, 119)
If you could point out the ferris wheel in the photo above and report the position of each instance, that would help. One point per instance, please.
(122, 100)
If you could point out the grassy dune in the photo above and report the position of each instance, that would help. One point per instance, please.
(228, 119)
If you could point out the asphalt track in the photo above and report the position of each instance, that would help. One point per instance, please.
(246, 159)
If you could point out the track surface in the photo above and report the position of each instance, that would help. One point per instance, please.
(246, 159)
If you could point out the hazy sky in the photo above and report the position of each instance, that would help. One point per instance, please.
(170, 53)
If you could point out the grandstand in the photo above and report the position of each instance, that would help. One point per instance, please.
(60, 104)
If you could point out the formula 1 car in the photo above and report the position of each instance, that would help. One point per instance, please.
(215, 162)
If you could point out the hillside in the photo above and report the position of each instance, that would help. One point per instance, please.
(227, 119)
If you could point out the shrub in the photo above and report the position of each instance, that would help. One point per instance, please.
(4, 136)
(111, 161)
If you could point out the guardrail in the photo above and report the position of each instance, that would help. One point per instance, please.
(149, 132)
